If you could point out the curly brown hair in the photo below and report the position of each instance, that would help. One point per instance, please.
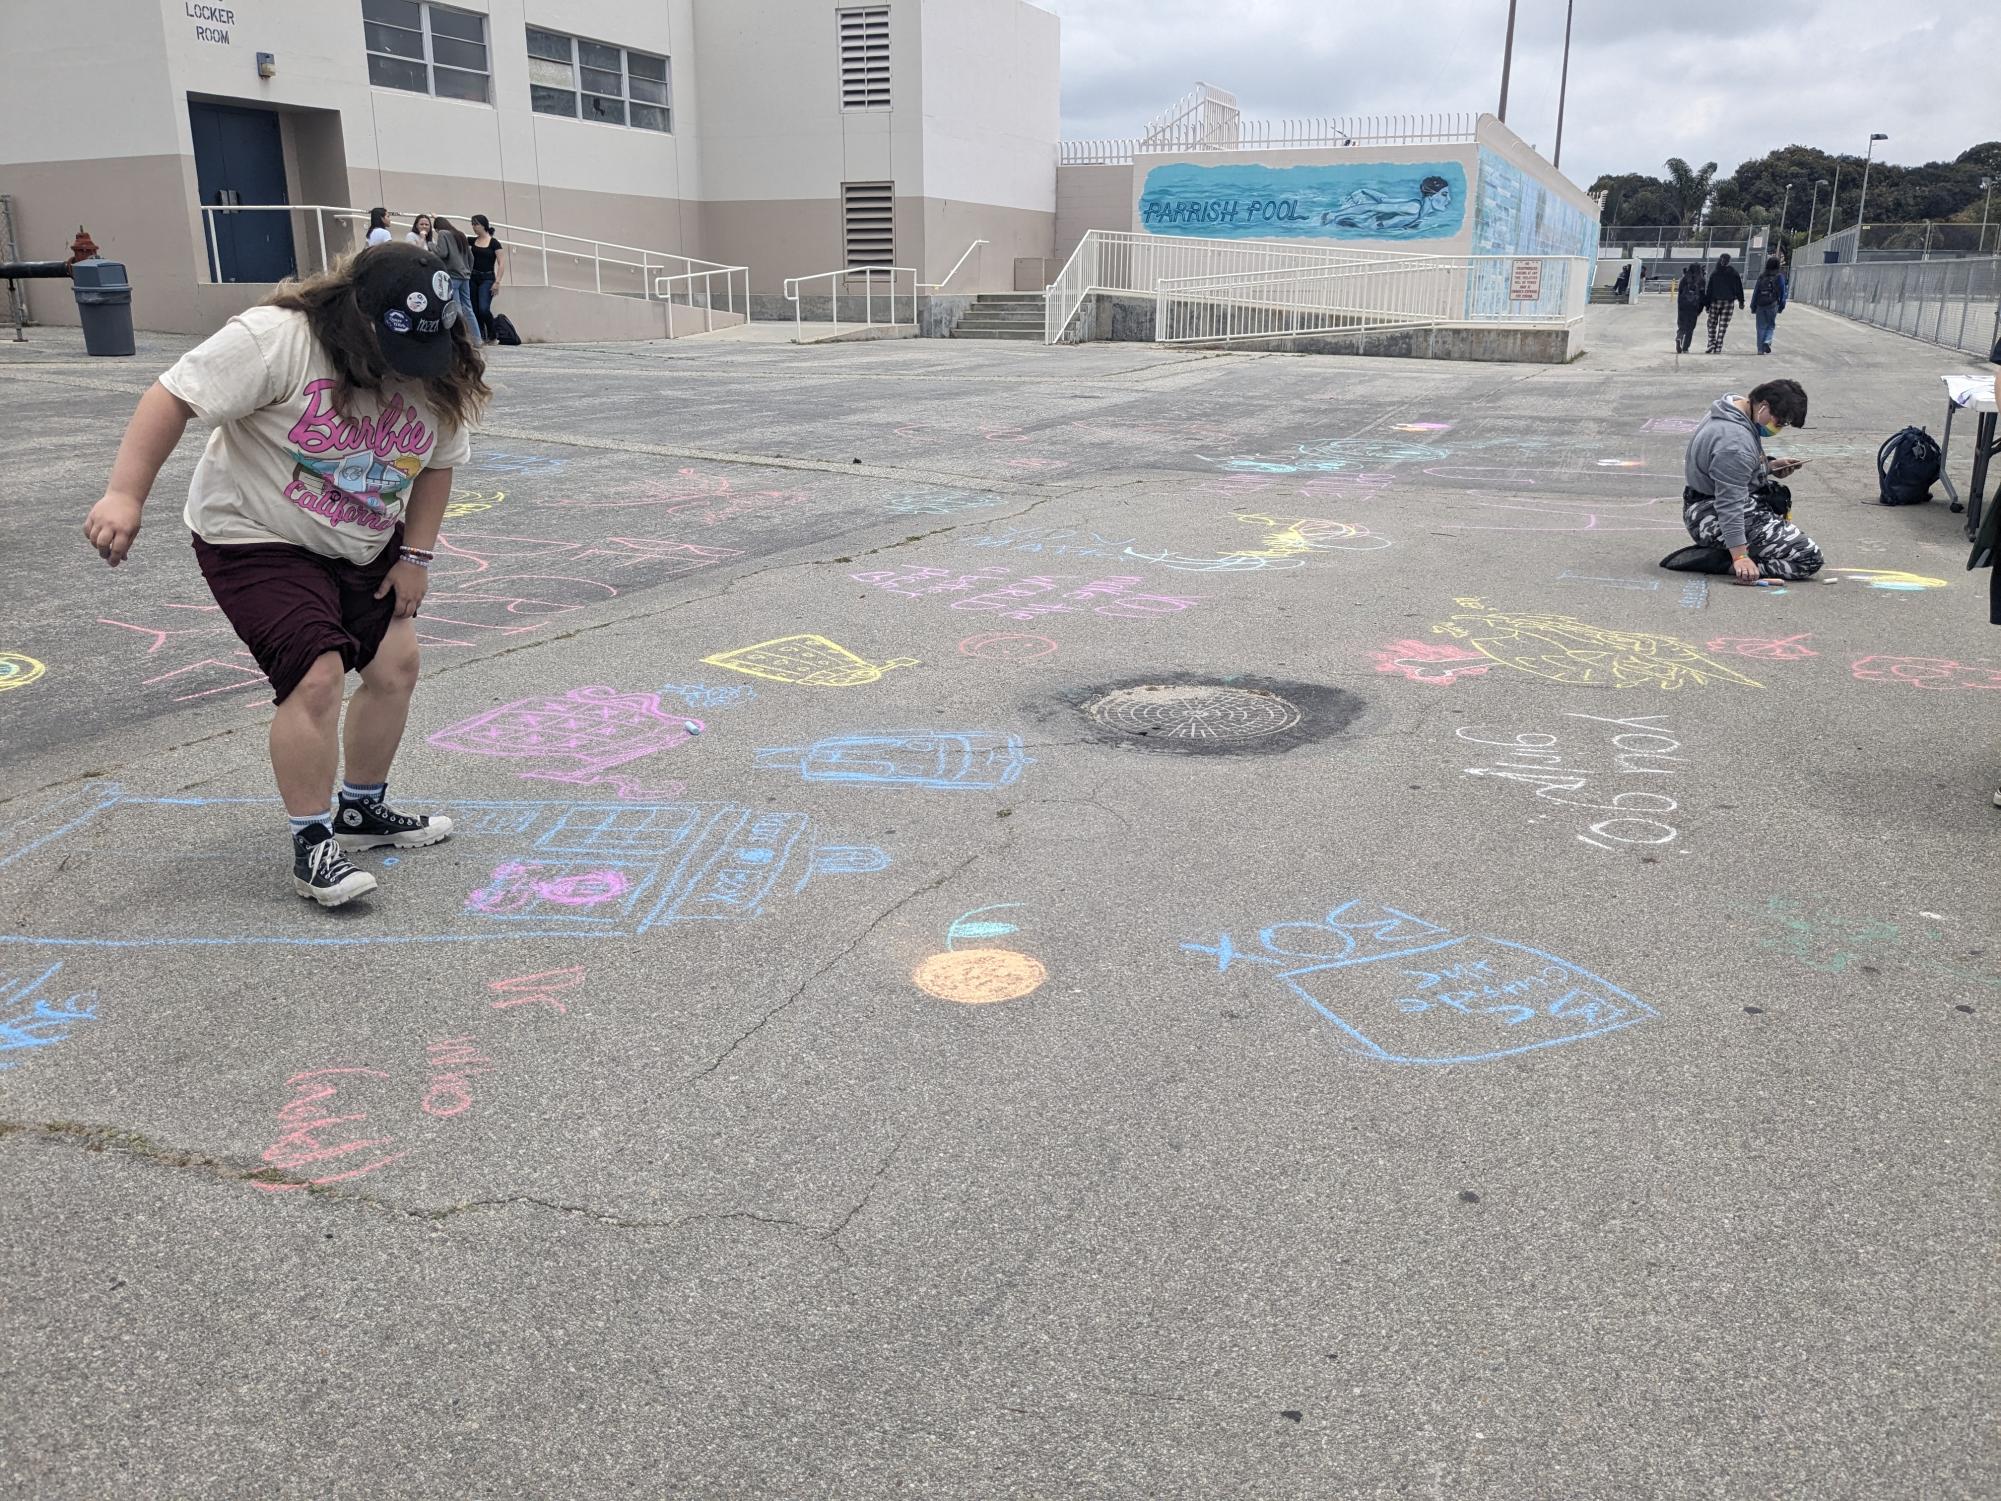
(348, 336)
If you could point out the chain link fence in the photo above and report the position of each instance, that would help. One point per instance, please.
(1956, 303)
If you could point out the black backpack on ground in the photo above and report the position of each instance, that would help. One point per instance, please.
(503, 330)
(1766, 294)
(1907, 466)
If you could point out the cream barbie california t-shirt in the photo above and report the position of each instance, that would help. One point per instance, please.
(282, 465)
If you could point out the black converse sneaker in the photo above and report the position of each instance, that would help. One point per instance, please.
(364, 824)
(321, 870)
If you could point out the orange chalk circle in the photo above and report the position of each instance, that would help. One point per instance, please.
(979, 977)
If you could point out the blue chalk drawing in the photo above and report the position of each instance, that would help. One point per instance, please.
(963, 928)
(558, 870)
(707, 695)
(981, 760)
(29, 1020)
(939, 503)
(1327, 201)
(1403, 990)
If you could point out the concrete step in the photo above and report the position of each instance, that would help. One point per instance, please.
(988, 320)
(962, 332)
(1008, 299)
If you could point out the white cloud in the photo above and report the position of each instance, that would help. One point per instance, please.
(1700, 81)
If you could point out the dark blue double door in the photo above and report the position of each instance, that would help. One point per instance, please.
(240, 158)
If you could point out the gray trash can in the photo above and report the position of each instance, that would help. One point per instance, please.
(104, 304)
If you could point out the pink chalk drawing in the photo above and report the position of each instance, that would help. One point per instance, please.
(1026, 462)
(308, 1125)
(1007, 646)
(325, 1124)
(176, 641)
(1770, 649)
(1936, 673)
(592, 729)
(537, 989)
(1670, 424)
(517, 886)
(1431, 661)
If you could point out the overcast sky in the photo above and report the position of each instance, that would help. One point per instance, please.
(1646, 81)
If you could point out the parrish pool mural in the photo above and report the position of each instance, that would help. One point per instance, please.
(1327, 201)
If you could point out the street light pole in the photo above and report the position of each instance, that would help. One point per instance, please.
(1786, 204)
(1507, 61)
(1987, 184)
(1563, 88)
(1814, 208)
(1868, 161)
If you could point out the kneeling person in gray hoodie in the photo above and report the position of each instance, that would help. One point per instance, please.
(1725, 468)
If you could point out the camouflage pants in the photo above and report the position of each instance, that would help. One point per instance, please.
(1780, 549)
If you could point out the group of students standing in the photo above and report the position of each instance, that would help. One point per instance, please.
(476, 263)
(1721, 293)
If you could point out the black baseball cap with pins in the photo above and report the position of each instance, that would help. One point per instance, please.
(406, 295)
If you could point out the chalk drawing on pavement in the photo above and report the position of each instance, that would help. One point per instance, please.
(17, 670)
(1566, 650)
(1398, 989)
(31, 1018)
(808, 660)
(577, 737)
(981, 760)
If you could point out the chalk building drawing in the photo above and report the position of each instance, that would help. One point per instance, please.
(977, 759)
(1399, 989)
(1567, 650)
(551, 870)
(576, 736)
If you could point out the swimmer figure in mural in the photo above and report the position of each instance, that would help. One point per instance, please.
(1370, 211)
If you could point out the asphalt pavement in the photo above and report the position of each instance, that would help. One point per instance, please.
(1083, 922)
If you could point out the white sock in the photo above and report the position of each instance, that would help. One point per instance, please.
(300, 825)
(363, 792)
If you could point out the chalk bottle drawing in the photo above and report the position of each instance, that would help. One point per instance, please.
(587, 730)
(978, 759)
(810, 661)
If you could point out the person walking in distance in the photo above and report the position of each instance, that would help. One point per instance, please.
(489, 270)
(1725, 295)
(1731, 503)
(1689, 297)
(1768, 300)
(339, 408)
(378, 227)
(421, 234)
(455, 250)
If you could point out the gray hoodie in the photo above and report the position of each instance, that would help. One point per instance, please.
(1726, 461)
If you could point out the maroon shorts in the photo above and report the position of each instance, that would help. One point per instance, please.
(290, 606)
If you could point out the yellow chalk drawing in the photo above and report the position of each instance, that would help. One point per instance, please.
(1303, 534)
(1566, 650)
(1892, 578)
(471, 502)
(17, 671)
(980, 977)
(810, 661)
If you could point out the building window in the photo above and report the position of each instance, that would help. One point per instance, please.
(864, 57)
(426, 49)
(868, 223)
(591, 81)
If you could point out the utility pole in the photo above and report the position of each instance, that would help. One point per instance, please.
(1868, 161)
(1783, 206)
(1563, 88)
(1834, 196)
(1507, 61)
(1814, 209)
(1987, 185)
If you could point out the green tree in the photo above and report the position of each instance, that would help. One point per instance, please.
(1688, 190)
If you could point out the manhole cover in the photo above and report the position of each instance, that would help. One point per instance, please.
(1194, 712)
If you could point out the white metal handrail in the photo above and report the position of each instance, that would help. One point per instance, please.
(868, 275)
(1419, 291)
(1127, 261)
(663, 289)
(534, 255)
(935, 287)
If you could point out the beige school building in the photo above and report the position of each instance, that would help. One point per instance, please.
(641, 156)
